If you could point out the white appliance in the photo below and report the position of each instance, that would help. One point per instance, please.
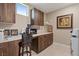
(1, 34)
(75, 42)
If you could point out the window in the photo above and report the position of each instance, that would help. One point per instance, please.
(22, 9)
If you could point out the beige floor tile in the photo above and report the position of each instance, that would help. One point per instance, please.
(55, 49)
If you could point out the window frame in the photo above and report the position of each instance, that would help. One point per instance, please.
(27, 10)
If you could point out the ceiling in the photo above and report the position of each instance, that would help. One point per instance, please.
(48, 7)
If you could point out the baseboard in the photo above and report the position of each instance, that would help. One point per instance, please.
(61, 44)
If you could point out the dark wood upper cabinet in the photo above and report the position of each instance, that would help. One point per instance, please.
(37, 17)
(7, 12)
(1, 12)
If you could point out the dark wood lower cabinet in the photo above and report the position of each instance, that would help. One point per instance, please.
(16, 47)
(5, 49)
(1, 51)
(42, 42)
(39, 43)
(13, 48)
(9, 48)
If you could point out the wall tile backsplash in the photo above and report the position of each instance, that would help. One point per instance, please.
(42, 29)
(5, 26)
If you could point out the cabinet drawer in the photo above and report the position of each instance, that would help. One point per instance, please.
(5, 44)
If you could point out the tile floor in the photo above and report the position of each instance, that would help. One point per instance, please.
(55, 49)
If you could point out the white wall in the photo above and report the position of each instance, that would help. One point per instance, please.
(21, 22)
(63, 35)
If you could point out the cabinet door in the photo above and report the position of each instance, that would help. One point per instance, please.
(44, 41)
(37, 17)
(1, 51)
(41, 43)
(35, 44)
(11, 48)
(14, 48)
(41, 18)
(9, 12)
(16, 43)
(5, 49)
(1, 12)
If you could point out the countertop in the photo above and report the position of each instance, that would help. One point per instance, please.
(18, 37)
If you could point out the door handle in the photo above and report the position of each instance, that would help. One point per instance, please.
(74, 36)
